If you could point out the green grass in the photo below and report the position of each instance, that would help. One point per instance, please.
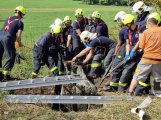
(39, 15)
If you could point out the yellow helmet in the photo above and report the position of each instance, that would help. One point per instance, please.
(154, 15)
(79, 13)
(128, 18)
(21, 9)
(96, 15)
(67, 20)
(56, 29)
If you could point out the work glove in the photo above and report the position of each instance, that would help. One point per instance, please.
(63, 46)
(86, 45)
(113, 57)
(18, 57)
(132, 53)
(126, 57)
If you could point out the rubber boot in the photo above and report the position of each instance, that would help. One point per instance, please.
(34, 76)
(55, 73)
(1, 76)
(8, 77)
(108, 83)
(110, 89)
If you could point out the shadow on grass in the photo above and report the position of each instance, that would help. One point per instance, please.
(146, 117)
(2, 20)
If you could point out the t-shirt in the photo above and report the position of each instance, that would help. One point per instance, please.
(91, 27)
(102, 28)
(134, 34)
(47, 41)
(151, 44)
(14, 26)
(67, 31)
(102, 41)
(121, 35)
(82, 24)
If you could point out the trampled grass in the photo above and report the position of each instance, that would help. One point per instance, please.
(39, 15)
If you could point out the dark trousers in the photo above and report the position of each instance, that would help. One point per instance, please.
(7, 45)
(77, 47)
(67, 56)
(115, 76)
(50, 59)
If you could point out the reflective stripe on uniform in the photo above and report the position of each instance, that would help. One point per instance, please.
(6, 72)
(122, 84)
(144, 84)
(33, 73)
(0, 69)
(96, 65)
(53, 69)
(69, 72)
(114, 84)
(62, 72)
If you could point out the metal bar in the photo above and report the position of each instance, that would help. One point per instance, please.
(61, 99)
(38, 82)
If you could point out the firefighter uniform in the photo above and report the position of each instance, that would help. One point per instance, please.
(101, 28)
(46, 50)
(76, 42)
(130, 65)
(106, 51)
(7, 42)
(67, 51)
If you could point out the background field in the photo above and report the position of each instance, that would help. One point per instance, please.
(39, 15)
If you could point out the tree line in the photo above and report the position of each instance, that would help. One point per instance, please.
(105, 2)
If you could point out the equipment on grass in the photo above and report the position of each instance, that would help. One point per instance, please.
(121, 63)
(104, 74)
(18, 57)
(39, 82)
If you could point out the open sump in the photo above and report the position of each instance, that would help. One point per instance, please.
(68, 89)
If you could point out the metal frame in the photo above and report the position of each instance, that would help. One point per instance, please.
(61, 99)
(39, 82)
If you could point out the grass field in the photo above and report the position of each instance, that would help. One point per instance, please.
(39, 15)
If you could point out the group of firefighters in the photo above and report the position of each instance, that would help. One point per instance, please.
(88, 42)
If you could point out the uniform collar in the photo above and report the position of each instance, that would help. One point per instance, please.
(153, 26)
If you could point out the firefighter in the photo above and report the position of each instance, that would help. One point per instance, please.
(131, 36)
(151, 61)
(12, 26)
(66, 46)
(120, 50)
(102, 41)
(142, 12)
(101, 29)
(78, 27)
(45, 50)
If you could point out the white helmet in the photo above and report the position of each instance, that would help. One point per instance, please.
(57, 22)
(86, 36)
(140, 7)
(118, 17)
